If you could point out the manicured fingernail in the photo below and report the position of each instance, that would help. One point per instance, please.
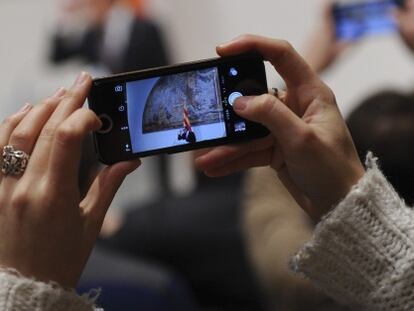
(60, 92)
(83, 76)
(241, 103)
(25, 107)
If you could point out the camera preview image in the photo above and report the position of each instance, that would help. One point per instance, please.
(173, 110)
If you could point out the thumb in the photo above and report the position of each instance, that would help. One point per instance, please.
(268, 110)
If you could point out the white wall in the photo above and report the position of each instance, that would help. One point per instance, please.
(193, 29)
(22, 27)
(196, 26)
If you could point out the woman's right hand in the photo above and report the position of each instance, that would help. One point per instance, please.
(324, 47)
(309, 146)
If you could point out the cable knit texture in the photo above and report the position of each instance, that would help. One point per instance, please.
(362, 253)
(18, 293)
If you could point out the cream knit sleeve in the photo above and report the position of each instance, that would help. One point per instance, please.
(18, 293)
(362, 253)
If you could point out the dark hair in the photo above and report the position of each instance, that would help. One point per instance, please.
(384, 124)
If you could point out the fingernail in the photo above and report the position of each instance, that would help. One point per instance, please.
(83, 76)
(241, 103)
(25, 107)
(60, 92)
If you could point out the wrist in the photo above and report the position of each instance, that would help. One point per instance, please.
(22, 293)
(350, 179)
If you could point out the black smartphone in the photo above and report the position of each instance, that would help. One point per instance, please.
(356, 19)
(176, 108)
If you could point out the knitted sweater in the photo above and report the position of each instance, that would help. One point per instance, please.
(18, 293)
(362, 253)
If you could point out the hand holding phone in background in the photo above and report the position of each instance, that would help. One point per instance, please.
(365, 17)
(343, 24)
(323, 46)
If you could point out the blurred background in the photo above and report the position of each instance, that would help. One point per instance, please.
(191, 30)
(36, 58)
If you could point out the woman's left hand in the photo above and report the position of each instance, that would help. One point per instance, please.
(47, 231)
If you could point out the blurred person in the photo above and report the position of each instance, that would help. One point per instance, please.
(324, 48)
(199, 236)
(383, 124)
(275, 228)
(107, 33)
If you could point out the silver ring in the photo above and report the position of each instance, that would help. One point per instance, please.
(14, 161)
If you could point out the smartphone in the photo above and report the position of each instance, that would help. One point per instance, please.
(176, 108)
(355, 19)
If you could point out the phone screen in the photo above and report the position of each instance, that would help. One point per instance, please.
(368, 17)
(175, 109)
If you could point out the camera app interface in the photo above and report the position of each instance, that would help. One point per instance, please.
(176, 110)
(172, 110)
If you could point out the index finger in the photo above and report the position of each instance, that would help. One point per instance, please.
(287, 62)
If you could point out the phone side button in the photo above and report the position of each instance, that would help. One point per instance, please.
(107, 124)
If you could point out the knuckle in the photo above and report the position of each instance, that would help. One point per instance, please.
(66, 134)
(48, 131)
(88, 114)
(305, 138)
(8, 122)
(49, 104)
(19, 200)
(47, 200)
(246, 37)
(264, 105)
(70, 97)
(20, 137)
(286, 45)
(47, 192)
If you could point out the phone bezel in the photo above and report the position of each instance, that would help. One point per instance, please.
(173, 69)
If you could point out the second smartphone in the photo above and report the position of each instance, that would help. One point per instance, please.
(355, 19)
(177, 108)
